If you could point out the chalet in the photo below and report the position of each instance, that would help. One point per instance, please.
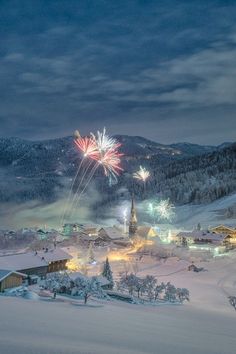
(36, 263)
(146, 232)
(224, 229)
(207, 238)
(10, 279)
(110, 234)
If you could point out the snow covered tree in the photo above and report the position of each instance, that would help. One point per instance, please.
(128, 282)
(149, 283)
(87, 287)
(107, 273)
(158, 290)
(170, 292)
(182, 294)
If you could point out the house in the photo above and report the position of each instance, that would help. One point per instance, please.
(70, 229)
(10, 279)
(224, 229)
(110, 234)
(56, 259)
(90, 230)
(146, 232)
(204, 238)
(36, 263)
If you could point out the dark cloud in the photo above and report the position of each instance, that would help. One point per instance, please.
(163, 69)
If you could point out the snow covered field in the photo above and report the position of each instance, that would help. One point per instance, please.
(205, 325)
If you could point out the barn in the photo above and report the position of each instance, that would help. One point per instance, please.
(10, 279)
(36, 263)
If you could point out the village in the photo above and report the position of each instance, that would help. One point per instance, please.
(119, 262)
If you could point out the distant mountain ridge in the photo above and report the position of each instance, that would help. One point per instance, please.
(38, 169)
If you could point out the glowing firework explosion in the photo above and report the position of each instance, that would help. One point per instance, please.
(104, 142)
(142, 174)
(88, 147)
(165, 209)
(110, 161)
(162, 209)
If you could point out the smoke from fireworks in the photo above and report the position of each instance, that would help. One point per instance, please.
(142, 174)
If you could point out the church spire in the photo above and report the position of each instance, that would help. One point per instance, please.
(133, 219)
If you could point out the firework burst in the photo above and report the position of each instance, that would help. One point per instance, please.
(161, 210)
(87, 145)
(104, 142)
(165, 209)
(142, 174)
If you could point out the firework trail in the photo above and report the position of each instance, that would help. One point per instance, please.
(70, 193)
(75, 196)
(78, 196)
(101, 149)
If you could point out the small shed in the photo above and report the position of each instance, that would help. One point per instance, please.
(10, 279)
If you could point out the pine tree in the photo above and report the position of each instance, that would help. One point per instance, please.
(107, 273)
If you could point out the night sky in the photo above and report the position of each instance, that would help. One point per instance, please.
(165, 70)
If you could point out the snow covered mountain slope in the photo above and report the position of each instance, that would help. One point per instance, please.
(221, 211)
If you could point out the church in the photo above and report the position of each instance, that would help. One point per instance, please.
(143, 231)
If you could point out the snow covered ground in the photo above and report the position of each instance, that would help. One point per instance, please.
(208, 215)
(206, 325)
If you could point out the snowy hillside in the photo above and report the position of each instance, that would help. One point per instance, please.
(40, 173)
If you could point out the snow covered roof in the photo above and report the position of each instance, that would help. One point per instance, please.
(30, 260)
(143, 231)
(5, 273)
(202, 235)
(56, 254)
(21, 261)
(227, 227)
(112, 232)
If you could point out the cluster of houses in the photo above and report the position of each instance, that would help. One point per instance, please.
(217, 239)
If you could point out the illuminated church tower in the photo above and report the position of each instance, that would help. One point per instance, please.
(133, 220)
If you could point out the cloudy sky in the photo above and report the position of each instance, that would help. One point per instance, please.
(163, 69)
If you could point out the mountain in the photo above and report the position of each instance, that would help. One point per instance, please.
(40, 170)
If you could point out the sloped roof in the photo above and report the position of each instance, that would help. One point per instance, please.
(56, 254)
(202, 235)
(30, 260)
(5, 273)
(112, 232)
(229, 227)
(143, 231)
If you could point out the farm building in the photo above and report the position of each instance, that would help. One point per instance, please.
(224, 229)
(10, 279)
(36, 263)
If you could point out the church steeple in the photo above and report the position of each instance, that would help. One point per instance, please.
(133, 220)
